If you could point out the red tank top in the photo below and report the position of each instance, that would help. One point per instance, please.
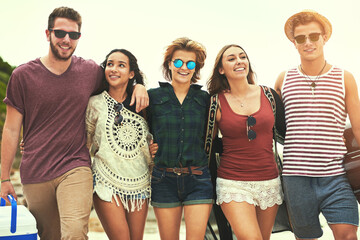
(245, 160)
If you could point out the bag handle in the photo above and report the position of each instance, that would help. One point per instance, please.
(2, 202)
(210, 126)
(271, 99)
(13, 211)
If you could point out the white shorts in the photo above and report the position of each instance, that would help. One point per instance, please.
(259, 193)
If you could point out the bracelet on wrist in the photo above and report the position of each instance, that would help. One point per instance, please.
(5, 180)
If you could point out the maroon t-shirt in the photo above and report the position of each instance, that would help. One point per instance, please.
(245, 160)
(53, 108)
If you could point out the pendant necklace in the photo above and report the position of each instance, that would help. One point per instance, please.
(241, 102)
(313, 82)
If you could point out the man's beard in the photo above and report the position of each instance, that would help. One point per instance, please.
(57, 54)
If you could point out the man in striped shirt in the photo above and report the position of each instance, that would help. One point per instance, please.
(317, 97)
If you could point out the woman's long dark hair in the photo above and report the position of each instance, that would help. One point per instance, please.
(138, 75)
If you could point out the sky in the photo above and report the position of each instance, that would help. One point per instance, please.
(146, 27)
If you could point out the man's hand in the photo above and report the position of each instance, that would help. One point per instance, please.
(22, 146)
(7, 189)
(153, 148)
(141, 97)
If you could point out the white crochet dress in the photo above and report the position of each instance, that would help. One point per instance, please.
(121, 153)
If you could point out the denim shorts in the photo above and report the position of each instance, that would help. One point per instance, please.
(306, 197)
(171, 190)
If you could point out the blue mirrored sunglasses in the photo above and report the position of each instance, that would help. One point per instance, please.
(178, 64)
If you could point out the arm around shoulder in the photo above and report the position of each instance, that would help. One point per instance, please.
(352, 103)
(280, 124)
(141, 97)
(279, 83)
(91, 117)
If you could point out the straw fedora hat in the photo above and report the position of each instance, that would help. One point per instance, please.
(323, 20)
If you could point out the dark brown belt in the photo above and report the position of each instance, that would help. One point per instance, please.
(185, 170)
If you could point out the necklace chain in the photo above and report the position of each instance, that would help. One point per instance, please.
(242, 101)
(313, 82)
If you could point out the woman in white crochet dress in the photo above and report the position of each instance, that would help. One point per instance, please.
(118, 138)
(248, 186)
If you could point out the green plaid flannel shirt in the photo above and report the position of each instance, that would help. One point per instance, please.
(178, 129)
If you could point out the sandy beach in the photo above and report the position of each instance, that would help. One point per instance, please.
(96, 231)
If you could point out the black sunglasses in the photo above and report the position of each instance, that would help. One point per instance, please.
(314, 37)
(250, 122)
(118, 118)
(62, 34)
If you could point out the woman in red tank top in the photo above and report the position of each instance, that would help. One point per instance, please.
(248, 186)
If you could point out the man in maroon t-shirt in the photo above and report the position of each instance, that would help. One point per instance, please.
(48, 97)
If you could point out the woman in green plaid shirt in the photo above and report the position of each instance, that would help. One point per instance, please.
(177, 118)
